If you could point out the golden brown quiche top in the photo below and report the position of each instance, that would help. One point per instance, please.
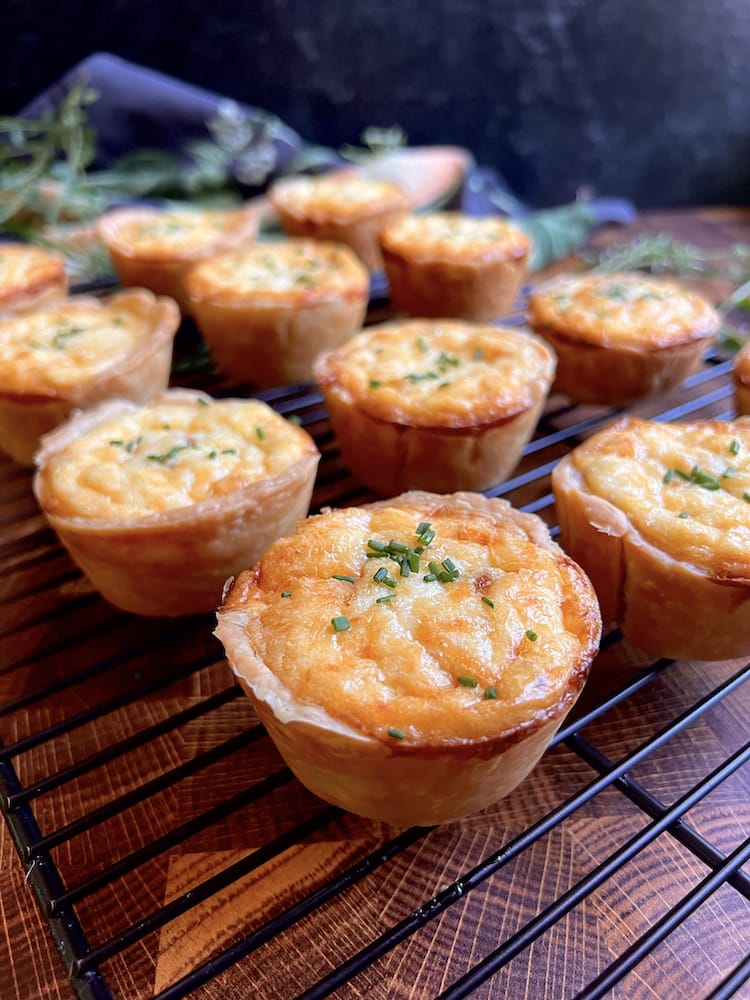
(293, 271)
(53, 350)
(170, 454)
(340, 198)
(622, 310)
(425, 619)
(455, 236)
(440, 373)
(160, 234)
(685, 487)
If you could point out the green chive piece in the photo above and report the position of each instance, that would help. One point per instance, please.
(396, 734)
(734, 447)
(669, 476)
(422, 527)
(434, 568)
(421, 344)
(294, 418)
(467, 682)
(381, 574)
(488, 601)
(229, 451)
(286, 593)
(405, 567)
(385, 598)
(201, 401)
(344, 578)
(212, 454)
(116, 444)
(729, 472)
(341, 623)
(397, 547)
(260, 432)
(531, 635)
(412, 559)
(429, 577)
(449, 565)
(490, 693)
(683, 514)
(746, 496)
(373, 543)
(704, 479)
(374, 383)
(388, 581)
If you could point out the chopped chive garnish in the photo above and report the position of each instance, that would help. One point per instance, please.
(229, 451)
(396, 734)
(490, 693)
(531, 635)
(385, 598)
(422, 527)
(668, 476)
(488, 601)
(398, 547)
(421, 344)
(429, 577)
(212, 454)
(116, 443)
(729, 472)
(734, 446)
(449, 565)
(746, 496)
(683, 514)
(168, 455)
(286, 593)
(405, 567)
(388, 581)
(260, 432)
(373, 543)
(294, 418)
(412, 559)
(375, 383)
(201, 401)
(381, 574)
(340, 623)
(434, 568)
(467, 682)
(344, 578)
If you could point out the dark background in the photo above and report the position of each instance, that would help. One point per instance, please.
(640, 99)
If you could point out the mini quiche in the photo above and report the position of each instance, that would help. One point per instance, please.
(620, 337)
(658, 515)
(449, 264)
(160, 504)
(741, 380)
(435, 405)
(29, 277)
(413, 658)
(268, 311)
(155, 248)
(343, 207)
(75, 352)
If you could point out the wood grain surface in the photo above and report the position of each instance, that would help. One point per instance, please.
(180, 828)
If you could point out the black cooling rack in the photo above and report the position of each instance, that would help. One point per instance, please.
(71, 641)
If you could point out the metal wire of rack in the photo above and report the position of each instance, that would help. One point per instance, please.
(71, 782)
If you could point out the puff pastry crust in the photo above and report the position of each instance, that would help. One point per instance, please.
(426, 698)
(155, 248)
(342, 207)
(449, 264)
(437, 405)
(268, 311)
(658, 514)
(29, 277)
(75, 352)
(620, 337)
(160, 504)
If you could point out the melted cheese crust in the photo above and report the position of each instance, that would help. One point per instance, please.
(685, 487)
(337, 197)
(623, 310)
(289, 270)
(27, 270)
(56, 348)
(454, 236)
(426, 660)
(159, 234)
(170, 455)
(441, 373)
